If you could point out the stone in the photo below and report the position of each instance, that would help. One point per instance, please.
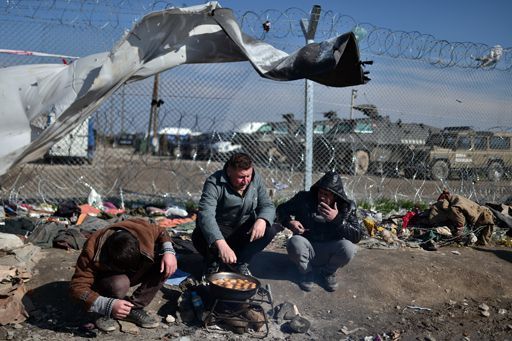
(299, 324)
(128, 327)
(170, 319)
(9, 242)
(285, 311)
(483, 307)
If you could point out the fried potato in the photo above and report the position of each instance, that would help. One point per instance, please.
(235, 283)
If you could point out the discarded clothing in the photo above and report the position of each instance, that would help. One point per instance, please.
(70, 238)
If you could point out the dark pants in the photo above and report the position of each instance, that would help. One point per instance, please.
(117, 285)
(238, 240)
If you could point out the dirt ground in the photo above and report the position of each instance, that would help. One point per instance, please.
(399, 294)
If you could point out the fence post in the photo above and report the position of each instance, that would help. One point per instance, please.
(309, 30)
(152, 113)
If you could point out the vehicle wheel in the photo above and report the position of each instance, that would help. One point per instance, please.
(361, 162)
(176, 152)
(495, 171)
(275, 158)
(194, 153)
(440, 170)
(409, 173)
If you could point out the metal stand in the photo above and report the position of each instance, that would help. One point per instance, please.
(219, 313)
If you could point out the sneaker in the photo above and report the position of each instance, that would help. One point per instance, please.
(429, 245)
(306, 281)
(141, 319)
(240, 268)
(243, 269)
(106, 324)
(329, 282)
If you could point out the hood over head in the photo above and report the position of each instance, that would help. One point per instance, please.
(332, 182)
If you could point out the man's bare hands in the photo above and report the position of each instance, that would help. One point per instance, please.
(168, 265)
(296, 227)
(121, 309)
(328, 212)
(226, 254)
(258, 229)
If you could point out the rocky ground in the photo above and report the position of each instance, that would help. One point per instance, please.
(456, 293)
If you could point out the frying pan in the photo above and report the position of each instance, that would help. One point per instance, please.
(220, 292)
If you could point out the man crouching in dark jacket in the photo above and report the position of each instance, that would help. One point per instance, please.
(325, 229)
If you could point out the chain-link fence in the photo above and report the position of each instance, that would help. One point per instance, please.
(435, 114)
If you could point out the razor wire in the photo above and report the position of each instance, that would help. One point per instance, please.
(281, 26)
(207, 112)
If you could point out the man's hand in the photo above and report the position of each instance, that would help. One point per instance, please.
(121, 309)
(258, 229)
(168, 265)
(226, 254)
(296, 227)
(328, 212)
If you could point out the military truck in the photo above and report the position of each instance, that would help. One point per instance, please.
(371, 144)
(276, 144)
(462, 152)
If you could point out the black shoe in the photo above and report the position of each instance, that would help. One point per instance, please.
(240, 268)
(306, 281)
(243, 269)
(329, 281)
(141, 319)
(429, 245)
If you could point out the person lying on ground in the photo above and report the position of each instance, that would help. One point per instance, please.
(326, 231)
(116, 258)
(456, 212)
(234, 218)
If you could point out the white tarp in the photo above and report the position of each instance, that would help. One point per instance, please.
(158, 42)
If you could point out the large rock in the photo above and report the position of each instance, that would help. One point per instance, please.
(9, 242)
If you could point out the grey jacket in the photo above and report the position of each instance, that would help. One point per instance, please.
(221, 205)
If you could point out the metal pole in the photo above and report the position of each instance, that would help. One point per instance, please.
(123, 95)
(154, 102)
(354, 95)
(309, 30)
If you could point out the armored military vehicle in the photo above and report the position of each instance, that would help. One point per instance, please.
(462, 152)
(370, 144)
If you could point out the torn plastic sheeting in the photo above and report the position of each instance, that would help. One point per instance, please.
(160, 41)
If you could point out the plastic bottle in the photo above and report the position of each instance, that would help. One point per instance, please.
(198, 305)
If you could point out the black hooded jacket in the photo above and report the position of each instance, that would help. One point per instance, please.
(303, 206)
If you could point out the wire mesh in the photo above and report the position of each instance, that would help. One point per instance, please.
(381, 136)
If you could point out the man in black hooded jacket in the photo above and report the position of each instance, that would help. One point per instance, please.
(325, 229)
